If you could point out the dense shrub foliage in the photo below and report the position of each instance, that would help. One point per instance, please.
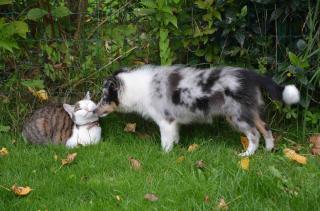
(67, 47)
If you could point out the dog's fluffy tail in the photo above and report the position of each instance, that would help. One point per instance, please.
(288, 94)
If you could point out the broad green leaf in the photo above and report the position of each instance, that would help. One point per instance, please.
(21, 28)
(36, 84)
(36, 14)
(8, 45)
(4, 128)
(143, 12)
(60, 12)
(294, 59)
(149, 4)
(217, 14)
(244, 11)
(170, 19)
(4, 2)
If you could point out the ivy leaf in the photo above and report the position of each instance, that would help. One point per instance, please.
(8, 45)
(21, 28)
(34, 84)
(36, 14)
(170, 19)
(4, 2)
(60, 12)
(217, 14)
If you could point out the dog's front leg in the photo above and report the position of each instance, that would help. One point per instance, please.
(169, 134)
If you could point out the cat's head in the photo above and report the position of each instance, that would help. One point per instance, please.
(82, 112)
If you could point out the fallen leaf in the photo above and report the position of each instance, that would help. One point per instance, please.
(244, 141)
(21, 191)
(206, 199)
(151, 197)
(315, 141)
(4, 151)
(55, 157)
(135, 164)
(143, 135)
(41, 94)
(222, 204)
(70, 158)
(292, 155)
(13, 142)
(193, 147)
(200, 164)
(130, 127)
(180, 159)
(118, 198)
(244, 163)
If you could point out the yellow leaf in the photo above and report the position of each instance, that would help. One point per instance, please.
(55, 157)
(21, 191)
(118, 198)
(4, 151)
(244, 142)
(193, 147)
(292, 155)
(130, 127)
(222, 204)
(70, 158)
(135, 164)
(180, 159)
(244, 163)
(42, 95)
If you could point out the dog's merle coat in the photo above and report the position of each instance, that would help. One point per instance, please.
(174, 95)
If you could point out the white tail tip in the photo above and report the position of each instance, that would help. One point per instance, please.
(291, 94)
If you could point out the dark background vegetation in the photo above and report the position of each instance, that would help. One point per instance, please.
(68, 47)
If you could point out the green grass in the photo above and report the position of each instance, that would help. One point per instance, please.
(102, 172)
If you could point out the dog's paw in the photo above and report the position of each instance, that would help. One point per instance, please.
(167, 147)
(246, 153)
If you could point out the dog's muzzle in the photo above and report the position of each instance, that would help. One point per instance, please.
(103, 108)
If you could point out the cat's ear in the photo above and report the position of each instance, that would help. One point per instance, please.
(69, 109)
(87, 97)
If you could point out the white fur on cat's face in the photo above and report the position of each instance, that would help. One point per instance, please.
(82, 112)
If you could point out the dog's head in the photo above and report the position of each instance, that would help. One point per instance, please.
(109, 100)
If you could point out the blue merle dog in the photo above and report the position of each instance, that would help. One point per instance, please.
(174, 95)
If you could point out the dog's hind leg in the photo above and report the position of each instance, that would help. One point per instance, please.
(169, 134)
(250, 131)
(265, 131)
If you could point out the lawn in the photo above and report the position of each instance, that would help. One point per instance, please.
(101, 177)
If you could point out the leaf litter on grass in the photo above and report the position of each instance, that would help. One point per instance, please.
(292, 155)
(135, 164)
(4, 151)
(21, 191)
(151, 197)
(315, 141)
(244, 163)
(193, 147)
(130, 127)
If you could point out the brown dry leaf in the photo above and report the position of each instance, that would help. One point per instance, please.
(70, 158)
(118, 198)
(135, 164)
(180, 159)
(206, 199)
(315, 141)
(244, 141)
(292, 155)
(193, 147)
(130, 127)
(151, 197)
(200, 164)
(222, 204)
(21, 191)
(4, 151)
(244, 163)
